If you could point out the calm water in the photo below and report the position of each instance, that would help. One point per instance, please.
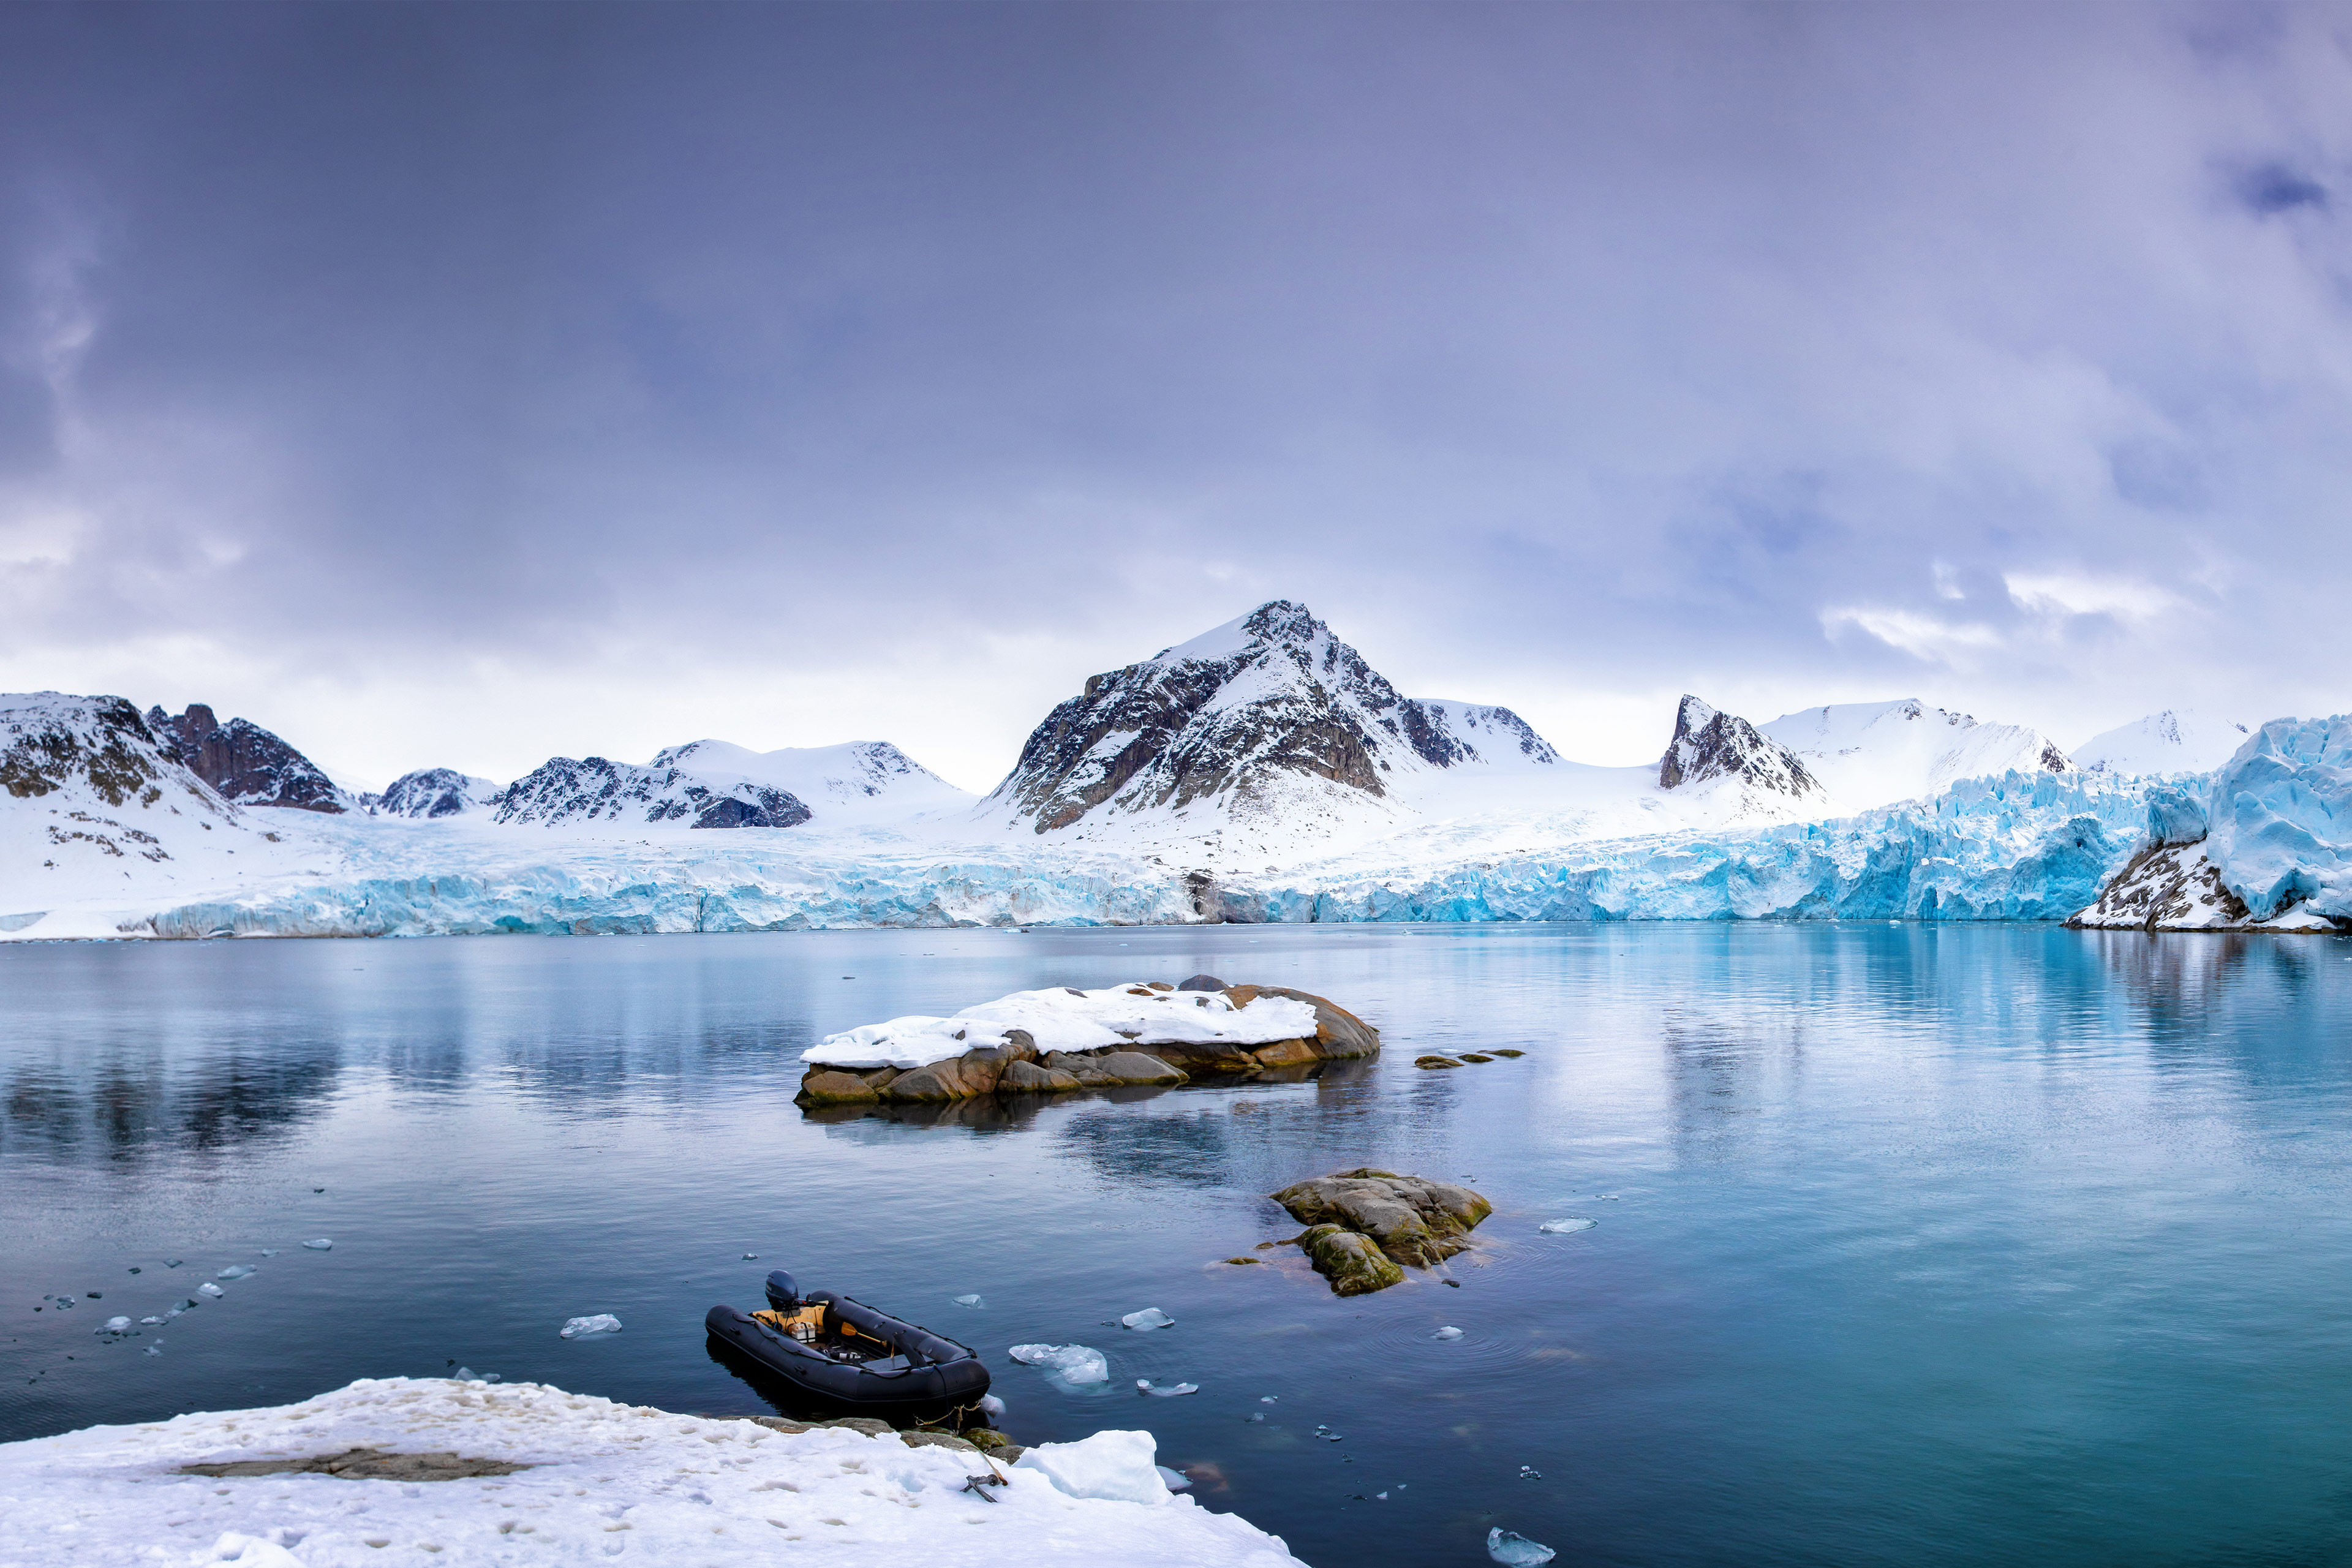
(1915, 1245)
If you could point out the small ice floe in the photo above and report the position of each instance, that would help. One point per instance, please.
(269, 1252)
(973, 1301)
(1566, 1226)
(602, 1324)
(1118, 1467)
(1165, 1390)
(1529, 1473)
(1176, 1480)
(991, 1405)
(1269, 1398)
(323, 1243)
(114, 1326)
(1257, 1415)
(155, 1349)
(209, 1288)
(1070, 1364)
(1448, 1333)
(155, 1323)
(463, 1374)
(1515, 1550)
(171, 1263)
(235, 1271)
(1150, 1317)
(1380, 1497)
(62, 1301)
(751, 1257)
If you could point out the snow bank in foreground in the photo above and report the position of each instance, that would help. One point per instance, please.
(2281, 813)
(609, 1482)
(1065, 1019)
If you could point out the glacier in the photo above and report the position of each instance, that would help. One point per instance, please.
(2280, 813)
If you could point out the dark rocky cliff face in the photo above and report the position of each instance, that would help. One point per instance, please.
(1286, 700)
(1711, 745)
(97, 741)
(244, 762)
(563, 790)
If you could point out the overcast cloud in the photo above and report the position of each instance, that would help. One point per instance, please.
(459, 385)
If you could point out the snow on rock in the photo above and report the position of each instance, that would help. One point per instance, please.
(1875, 754)
(2167, 886)
(435, 793)
(605, 1480)
(1267, 725)
(1711, 745)
(1066, 1019)
(562, 791)
(2281, 819)
(246, 762)
(2177, 740)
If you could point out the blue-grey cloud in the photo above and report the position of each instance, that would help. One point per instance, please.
(1547, 351)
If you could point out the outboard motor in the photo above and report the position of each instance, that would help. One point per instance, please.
(783, 1293)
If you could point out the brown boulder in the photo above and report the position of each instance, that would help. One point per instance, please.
(1411, 1219)
(939, 1081)
(1134, 1067)
(1285, 1053)
(1028, 1078)
(826, 1086)
(1339, 1034)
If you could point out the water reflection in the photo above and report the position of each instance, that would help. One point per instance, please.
(118, 1109)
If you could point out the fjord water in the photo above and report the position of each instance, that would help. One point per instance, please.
(1916, 1244)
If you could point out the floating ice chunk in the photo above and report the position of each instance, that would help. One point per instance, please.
(1269, 1398)
(1448, 1333)
(463, 1374)
(152, 1323)
(115, 1326)
(1174, 1480)
(1165, 1390)
(974, 1302)
(991, 1405)
(235, 1271)
(751, 1257)
(209, 1288)
(602, 1324)
(155, 1349)
(1515, 1550)
(1257, 1415)
(322, 1245)
(1070, 1364)
(171, 1263)
(1529, 1473)
(1566, 1226)
(64, 1301)
(1116, 1466)
(269, 1252)
(1150, 1317)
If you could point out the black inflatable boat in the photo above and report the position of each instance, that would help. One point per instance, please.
(844, 1353)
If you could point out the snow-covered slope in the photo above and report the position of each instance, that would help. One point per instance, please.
(561, 791)
(1711, 745)
(1266, 732)
(2177, 740)
(862, 781)
(1874, 753)
(2281, 815)
(245, 762)
(434, 792)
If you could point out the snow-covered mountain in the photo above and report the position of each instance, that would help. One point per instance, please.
(856, 781)
(246, 762)
(2177, 740)
(562, 792)
(1267, 730)
(435, 793)
(1874, 753)
(1711, 745)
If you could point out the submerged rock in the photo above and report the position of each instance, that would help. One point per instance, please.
(1363, 1223)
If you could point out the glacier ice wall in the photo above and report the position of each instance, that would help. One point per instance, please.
(2281, 813)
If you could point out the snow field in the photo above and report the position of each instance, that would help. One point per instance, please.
(1064, 1018)
(609, 1483)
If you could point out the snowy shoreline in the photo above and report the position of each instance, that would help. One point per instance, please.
(606, 1481)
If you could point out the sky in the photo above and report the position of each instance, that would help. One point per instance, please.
(460, 385)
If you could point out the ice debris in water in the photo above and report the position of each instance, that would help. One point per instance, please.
(155, 1349)
(209, 1288)
(234, 1271)
(1150, 1317)
(974, 1302)
(1268, 1398)
(991, 1405)
(321, 1244)
(1529, 1473)
(1070, 1363)
(63, 1302)
(1257, 1415)
(152, 1323)
(269, 1252)
(1566, 1226)
(1177, 1480)
(1165, 1390)
(602, 1324)
(1515, 1550)
(171, 1263)
(115, 1326)
(1448, 1333)
(751, 1257)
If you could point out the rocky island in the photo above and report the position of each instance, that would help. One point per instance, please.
(1363, 1226)
(1064, 1039)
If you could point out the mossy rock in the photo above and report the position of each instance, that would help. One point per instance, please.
(1351, 1260)
(1435, 1062)
(1474, 1056)
(831, 1088)
(1505, 1051)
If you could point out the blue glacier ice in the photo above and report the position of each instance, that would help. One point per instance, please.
(2281, 816)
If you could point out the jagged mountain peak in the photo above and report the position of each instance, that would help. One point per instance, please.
(1268, 719)
(1710, 744)
(436, 792)
(246, 762)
